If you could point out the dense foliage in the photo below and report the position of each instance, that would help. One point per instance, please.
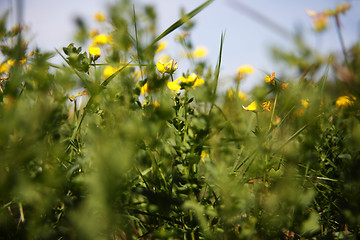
(110, 145)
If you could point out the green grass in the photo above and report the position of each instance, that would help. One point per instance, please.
(138, 154)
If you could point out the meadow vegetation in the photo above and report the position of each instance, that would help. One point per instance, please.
(109, 144)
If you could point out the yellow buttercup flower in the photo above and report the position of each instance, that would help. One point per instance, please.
(168, 67)
(174, 86)
(270, 80)
(101, 39)
(345, 101)
(94, 50)
(99, 17)
(200, 52)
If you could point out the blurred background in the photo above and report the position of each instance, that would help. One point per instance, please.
(251, 28)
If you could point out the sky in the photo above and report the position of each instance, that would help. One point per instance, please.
(247, 40)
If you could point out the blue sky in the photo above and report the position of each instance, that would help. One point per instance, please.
(246, 42)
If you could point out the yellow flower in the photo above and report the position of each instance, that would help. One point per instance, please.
(230, 94)
(174, 86)
(200, 52)
(109, 70)
(304, 103)
(93, 33)
(243, 71)
(168, 67)
(320, 20)
(345, 101)
(11, 62)
(72, 97)
(22, 61)
(199, 82)
(156, 104)
(161, 46)
(193, 79)
(266, 106)
(204, 155)
(270, 80)
(252, 107)
(101, 39)
(144, 89)
(284, 86)
(99, 17)
(94, 50)
(242, 96)
(4, 68)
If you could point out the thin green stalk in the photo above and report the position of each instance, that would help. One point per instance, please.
(273, 111)
(181, 21)
(341, 39)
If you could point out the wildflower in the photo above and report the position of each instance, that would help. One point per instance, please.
(22, 61)
(243, 71)
(93, 33)
(4, 68)
(320, 20)
(99, 17)
(72, 97)
(101, 39)
(156, 104)
(304, 103)
(270, 80)
(174, 86)
(94, 50)
(162, 45)
(144, 89)
(252, 107)
(200, 52)
(284, 86)
(242, 96)
(11, 62)
(345, 101)
(193, 79)
(168, 67)
(276, 121)
(266, 106)
(109, 70)
(204, 155)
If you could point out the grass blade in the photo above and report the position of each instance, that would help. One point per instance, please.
(181, 21)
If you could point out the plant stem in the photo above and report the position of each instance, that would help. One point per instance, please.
(338, 30)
